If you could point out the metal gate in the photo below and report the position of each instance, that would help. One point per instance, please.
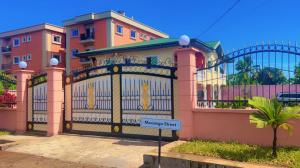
(111, 100)
(37, 103)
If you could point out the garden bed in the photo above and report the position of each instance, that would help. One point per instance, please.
(4, 133)
(289, 157)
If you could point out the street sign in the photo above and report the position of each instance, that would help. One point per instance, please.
(160, 124)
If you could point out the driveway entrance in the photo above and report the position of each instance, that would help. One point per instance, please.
(89, 150)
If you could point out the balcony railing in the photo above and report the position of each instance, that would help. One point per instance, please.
(6, 67)
(6, 49)
(87, 37)
(85, 60)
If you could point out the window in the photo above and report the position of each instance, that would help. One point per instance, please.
(153, 60)
(16, 59)
(132, 34)
(16, 42)
(143, 36)
(57, 56)
(209, 64)
(75, 32)
(28, 57)
(26, 39)
(24, 58)
(119, 29)
(74, 52)
(56, 39)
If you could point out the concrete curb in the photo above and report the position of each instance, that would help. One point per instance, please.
(5, 146)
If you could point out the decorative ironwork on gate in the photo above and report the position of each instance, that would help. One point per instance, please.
(267, 70)
(112, 99)
(37, 103)
(144, 97)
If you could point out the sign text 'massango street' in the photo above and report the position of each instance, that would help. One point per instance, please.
(160, 124)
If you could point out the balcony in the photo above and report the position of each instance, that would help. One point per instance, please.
(87, 38)
(6, 67)
(6, 50)
(85, 61)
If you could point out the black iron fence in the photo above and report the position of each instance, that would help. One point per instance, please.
(267, 70)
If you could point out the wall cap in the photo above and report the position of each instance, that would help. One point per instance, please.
(190, 49)
(220, 110)
(5, 109)
(54, 69)
(23, 71)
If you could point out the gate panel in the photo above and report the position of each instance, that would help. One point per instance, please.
(147, 92)
(37, 104)
(88, 107)
(111, 100)
(91, 101)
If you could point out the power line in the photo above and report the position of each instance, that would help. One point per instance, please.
(220, 18)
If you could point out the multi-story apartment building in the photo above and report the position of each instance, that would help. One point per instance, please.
(102, 30)
(38, 44)
(35, 44)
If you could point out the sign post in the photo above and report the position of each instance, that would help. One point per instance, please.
(160, 124)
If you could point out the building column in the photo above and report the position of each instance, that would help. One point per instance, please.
(68, 56)
(22, 77)
(55, 100)
(1, 56)
(187, 90)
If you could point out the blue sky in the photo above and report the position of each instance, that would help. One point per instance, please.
(249, 22)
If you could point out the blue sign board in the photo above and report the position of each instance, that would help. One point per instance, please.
(160, 124)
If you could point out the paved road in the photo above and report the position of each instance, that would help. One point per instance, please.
(19, 160)
(89, 150)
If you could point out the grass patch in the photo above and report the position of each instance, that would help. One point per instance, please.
(289, 157)
(4, 133)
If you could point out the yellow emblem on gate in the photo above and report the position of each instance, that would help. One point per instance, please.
(30, 126)
(116, 69)
(91, 96)
(68, 126)
(116, 129)
(145, 96)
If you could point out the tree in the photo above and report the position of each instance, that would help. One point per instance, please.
(245, 72)
(270, 76)
(296, 79)
(244, 68)
(272, 113)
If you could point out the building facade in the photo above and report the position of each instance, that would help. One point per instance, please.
(102, 30)
(35, 45)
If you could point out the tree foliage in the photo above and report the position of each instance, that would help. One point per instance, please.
(272, 113)
(247, 73)
(270, 76)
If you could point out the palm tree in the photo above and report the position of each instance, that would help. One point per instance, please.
(272, 113)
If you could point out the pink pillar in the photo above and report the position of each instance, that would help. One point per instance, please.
(22, 76)
(54, 100)
(187, 89)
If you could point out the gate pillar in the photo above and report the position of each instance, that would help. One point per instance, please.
(187, 89)
(55, 100)
(22, 77)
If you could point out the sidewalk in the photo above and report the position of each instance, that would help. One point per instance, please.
(17, 160)
(90, 150)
